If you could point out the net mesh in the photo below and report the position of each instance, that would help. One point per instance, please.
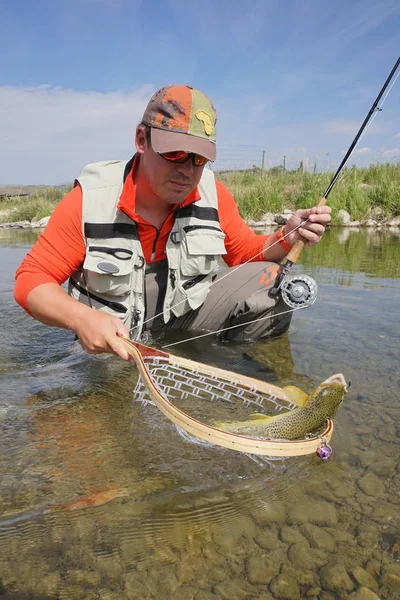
(179, 384)
(231, 401)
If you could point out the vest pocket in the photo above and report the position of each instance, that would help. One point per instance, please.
(199, 254)
(200, 251)
(108, 269)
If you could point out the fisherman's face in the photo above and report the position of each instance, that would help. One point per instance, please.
(168, 181)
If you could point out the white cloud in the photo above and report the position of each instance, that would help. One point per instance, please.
(49, 133)
(391, 153)
(348, 127)
(397, 135)
(365, 20)
(359, 151)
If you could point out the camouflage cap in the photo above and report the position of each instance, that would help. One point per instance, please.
(181, 118)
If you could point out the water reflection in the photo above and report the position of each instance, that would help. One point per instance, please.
(100, 498)
(375, 252)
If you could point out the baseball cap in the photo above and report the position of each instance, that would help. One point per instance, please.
(181, 118)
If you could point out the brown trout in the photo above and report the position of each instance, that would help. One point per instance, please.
(310, 414)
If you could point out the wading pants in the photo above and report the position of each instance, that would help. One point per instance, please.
(238, 296)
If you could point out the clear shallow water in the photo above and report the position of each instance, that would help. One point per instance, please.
(100, 498)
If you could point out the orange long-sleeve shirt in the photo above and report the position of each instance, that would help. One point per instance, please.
(60, 249)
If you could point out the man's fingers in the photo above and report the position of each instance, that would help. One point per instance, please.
(315, 229)
(113, 342)
(315, 213)
(319, 218)
(311, 237)
(123, 333)
(117, 348)
(98, 333)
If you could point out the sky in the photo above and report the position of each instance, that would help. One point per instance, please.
(290, 80)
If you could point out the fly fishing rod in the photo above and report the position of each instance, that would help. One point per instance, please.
(302, 290)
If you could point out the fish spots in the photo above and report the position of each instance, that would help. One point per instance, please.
(319, 406)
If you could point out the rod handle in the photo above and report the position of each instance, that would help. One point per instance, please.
(301, 242)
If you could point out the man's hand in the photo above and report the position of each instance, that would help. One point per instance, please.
(97, 332)
(314, 221)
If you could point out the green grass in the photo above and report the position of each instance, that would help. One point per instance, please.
(359, 191)
(30, 208)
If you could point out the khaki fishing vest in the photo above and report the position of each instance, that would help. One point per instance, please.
(112, 276)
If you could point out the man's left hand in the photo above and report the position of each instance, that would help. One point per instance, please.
(313, 223)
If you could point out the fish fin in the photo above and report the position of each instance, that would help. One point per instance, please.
(238, 425)
(296, 395)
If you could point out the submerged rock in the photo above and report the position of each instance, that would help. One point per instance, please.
(260, 570)
(335, 577)
(363, 594)
(371, 485)
(311, 510)
(364, 578)
(318, 537)
(285, 588)
(304, 557)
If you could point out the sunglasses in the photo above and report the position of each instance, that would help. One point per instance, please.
(179, 156)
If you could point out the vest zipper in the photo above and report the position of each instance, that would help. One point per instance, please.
(153, 250)
(114, 305)
(192, 282)
(119, 253)
(193, 227)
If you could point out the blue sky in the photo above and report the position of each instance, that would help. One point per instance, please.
(293, 79)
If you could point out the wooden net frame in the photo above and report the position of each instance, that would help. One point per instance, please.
(165, 376)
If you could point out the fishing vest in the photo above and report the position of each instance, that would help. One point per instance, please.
(112, 276)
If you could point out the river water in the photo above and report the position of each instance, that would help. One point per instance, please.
(100, 498)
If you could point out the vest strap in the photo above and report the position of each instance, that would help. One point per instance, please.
(205, 213)
(111, 230)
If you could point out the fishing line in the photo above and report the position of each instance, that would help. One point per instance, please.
(287, 266)
(295, 252)
(230, 272)
(370, 117)
(196, 337)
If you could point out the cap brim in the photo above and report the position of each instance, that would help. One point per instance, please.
(171, 141)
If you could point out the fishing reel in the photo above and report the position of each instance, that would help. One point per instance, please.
(299, 291)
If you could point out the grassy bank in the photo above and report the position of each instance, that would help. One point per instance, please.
(34, 207)
(359, 191)
(362, 192)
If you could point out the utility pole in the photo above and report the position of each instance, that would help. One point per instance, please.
(284, 162)
(262, 160)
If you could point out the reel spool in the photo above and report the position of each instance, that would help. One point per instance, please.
(299, 291)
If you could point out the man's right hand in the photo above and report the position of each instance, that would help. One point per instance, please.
(97, 332)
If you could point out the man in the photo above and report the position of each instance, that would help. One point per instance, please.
(140, 241)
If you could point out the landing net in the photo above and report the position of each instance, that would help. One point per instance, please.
(184, 390)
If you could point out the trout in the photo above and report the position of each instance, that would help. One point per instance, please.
(310, 414)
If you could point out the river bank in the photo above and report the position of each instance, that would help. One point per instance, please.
(267, 222)
(361, 198)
